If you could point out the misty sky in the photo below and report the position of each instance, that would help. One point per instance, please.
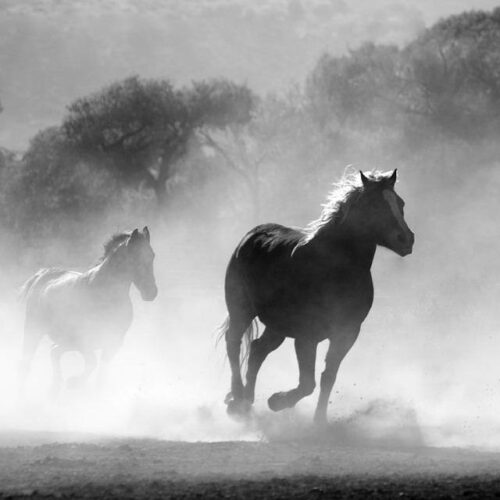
(53, 51)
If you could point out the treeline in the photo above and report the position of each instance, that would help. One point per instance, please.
(216, 150)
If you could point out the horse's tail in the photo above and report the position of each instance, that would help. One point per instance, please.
(221, 331)
(250, 334)
(41, 276)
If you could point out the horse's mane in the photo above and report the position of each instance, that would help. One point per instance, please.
(339, 201)
(114, 242)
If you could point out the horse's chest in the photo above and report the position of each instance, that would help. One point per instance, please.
(116, 315)
(346, 290)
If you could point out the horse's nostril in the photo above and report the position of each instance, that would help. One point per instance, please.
(401, 238)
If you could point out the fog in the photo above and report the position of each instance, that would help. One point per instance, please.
(424, 370)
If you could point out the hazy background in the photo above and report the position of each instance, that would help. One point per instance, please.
(54, 52)
(201, 119)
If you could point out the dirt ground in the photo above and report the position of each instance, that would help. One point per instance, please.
(37, 465)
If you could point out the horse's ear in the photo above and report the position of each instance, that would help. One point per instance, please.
(393, 177)
(134, 236)
(364, 179)
(145, 232)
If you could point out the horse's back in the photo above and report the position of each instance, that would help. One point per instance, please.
(72, 312)
(267, 242)
(39, 291)
(63, 284)
(265, 246)
(36, 284)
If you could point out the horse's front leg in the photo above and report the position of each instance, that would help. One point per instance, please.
(108, 353)
(339, 347)
(259, 350)
(305, 350)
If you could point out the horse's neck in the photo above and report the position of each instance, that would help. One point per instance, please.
(111, 273)
(345, 243)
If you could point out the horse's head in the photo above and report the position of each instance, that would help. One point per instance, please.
(383, 215)
(141, 257)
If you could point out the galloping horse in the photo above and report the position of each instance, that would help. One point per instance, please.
(89, 311)
(311, 285)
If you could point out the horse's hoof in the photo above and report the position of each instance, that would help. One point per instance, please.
(320, 421)
(238, 408)
(278, 401)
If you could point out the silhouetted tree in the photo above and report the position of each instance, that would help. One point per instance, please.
(455, 70)
(52, 183)
(280, 148)
(360, 87)
(140, 128)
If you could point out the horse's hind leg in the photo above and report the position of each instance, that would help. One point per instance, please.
(259, 350)
(306, 357)
(236, 329)
(107, 355)
(241, 314)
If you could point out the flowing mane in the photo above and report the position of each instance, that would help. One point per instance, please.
(339, 201)
(114, 242)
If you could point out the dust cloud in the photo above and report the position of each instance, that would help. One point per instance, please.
(424, 371)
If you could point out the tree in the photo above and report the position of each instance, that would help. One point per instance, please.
(53, 184)
(274, 156)
(139, 129)
(455, 70)
(246, 149)
(447, 81)
(360, 87)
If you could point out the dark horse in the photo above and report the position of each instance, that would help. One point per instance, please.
(311, 285)
(90, 311)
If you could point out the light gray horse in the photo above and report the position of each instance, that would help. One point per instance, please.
(87, 312)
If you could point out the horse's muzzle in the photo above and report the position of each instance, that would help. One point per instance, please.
(150, 294)
(404, 245)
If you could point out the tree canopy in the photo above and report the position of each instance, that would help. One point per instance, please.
(139, 128)
(448, 78)
(455, 72)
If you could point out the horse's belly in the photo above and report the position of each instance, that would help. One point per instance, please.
(317, 314)
(90, 327)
